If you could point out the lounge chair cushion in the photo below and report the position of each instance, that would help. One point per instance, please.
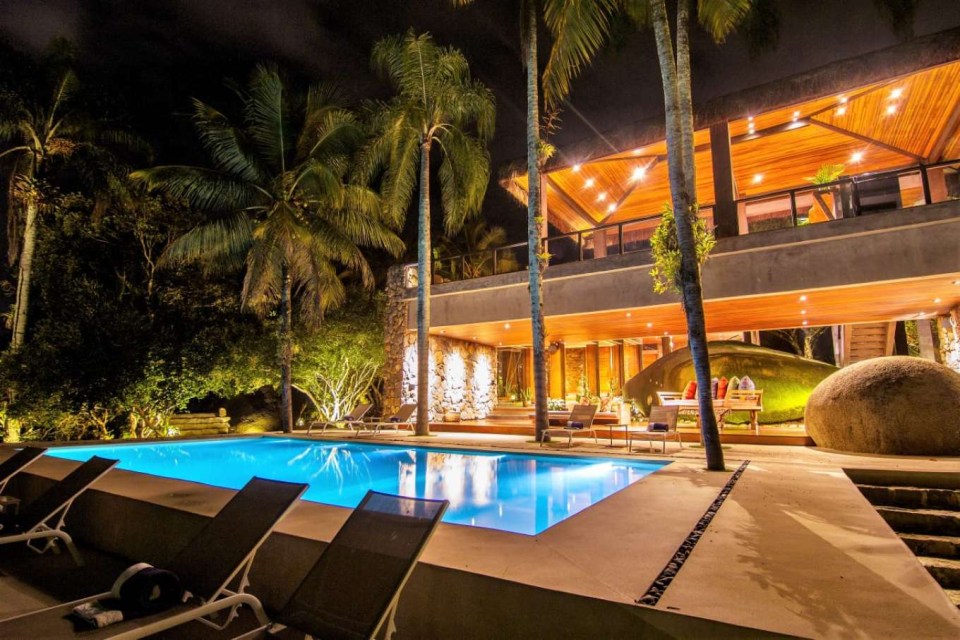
(722, 388)
(734, 384)
(714, 387)
(658, 426)
(690, 391)
(746, 384)
(573, 424)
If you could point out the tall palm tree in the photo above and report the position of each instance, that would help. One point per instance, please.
(436, 102)
(281, 205)
(579, 29)
(37, 131)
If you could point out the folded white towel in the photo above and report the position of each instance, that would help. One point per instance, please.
(95, 614)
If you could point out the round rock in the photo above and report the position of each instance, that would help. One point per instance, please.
(895, 405)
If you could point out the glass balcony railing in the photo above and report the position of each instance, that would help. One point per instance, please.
(810, 204)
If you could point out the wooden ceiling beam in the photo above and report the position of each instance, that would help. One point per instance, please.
(867, 139)
(945, 136)
(570, 202)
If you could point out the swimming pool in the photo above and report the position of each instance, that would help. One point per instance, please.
(512, 492)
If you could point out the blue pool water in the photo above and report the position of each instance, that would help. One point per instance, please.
(506, 491)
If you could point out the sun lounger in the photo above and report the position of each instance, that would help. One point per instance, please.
(402, 418)
(41, 521)
(218, 556)
(353, 589)
(662, 425)
(580, 421)
(17, 463)
(353, 420)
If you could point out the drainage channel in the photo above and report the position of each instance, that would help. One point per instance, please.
(669, 572)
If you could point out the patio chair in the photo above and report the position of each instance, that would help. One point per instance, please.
(580, 421)
(219, 555)
(353, 589)
(42, 519)
(661, 425)
(17, 463)
(353, 420)
(402, 418)
(750, 400)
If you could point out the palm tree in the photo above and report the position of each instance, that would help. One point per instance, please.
(281, 205)
(474, 248)
(578, 29)
(436, 102)
(35, 132)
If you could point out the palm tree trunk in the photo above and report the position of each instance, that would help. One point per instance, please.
(25, 270)
(286, 353)
(424, 276)
(535, 273)
(684, 206)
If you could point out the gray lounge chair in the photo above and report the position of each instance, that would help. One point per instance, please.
(353, 589)
(220, 554)
(353, 420)
(662, 425)
(402, 418)
(17, 463)
(580, 421)
(42, 519)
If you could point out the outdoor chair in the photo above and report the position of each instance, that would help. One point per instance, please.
(750, 400)
(661, 425)
(402, 418)
(353, 420)
(353, 589)
(17, 463)
(42, 520)
(580, 421)
(218, 556)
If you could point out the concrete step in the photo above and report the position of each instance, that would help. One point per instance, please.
(954, 595)
(936, 522)
(933, 546)
(912, 497)
(946, 572)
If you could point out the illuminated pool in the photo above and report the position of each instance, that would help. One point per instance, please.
(507, 491)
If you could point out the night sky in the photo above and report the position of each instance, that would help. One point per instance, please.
(156, 54)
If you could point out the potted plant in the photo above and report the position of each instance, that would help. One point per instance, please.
(451, 415)
(525, 395)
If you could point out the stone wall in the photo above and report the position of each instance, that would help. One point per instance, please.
(574, 365)
(463, 375)
(949, 334)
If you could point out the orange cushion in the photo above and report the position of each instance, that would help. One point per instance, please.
(690, 392)
(722, 388)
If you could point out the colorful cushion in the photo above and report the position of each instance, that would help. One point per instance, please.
(746, 384)
(690, 391)
(734, 384)
(714, 384)
(722, 388)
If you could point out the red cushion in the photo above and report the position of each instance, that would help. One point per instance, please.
(722, 388)
(690, 392)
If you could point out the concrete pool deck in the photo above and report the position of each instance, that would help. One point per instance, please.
(795, 549)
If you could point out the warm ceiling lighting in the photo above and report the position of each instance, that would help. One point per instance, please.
(805, 323)
(629, 314)
(803, 312)
(601, 196)
(474, 337)
(611, 207)
(638, 173)
(936, 301)
(757, 178)
(956, 282)
(638, 151)
(921, 314)
(666, 333)
(649, 325)
(896, 93)
(841, 111)
(843, 99)
(575, 168)
(796, 116)
(803, 298)
(588, 183)
(749, 118)
(506, 326)
(891, 109)
(856, 156)
(442, 331)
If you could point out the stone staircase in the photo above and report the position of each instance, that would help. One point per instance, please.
(924, 510)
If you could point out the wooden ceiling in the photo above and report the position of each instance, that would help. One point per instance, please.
(886, 301)
(890, 124)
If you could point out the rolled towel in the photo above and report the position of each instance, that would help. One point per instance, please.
(574, 425)
(658, 426)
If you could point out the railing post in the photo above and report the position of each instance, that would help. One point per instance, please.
(855, 189)
(925, 181)
(620, 237)
(495, 261)
(793, 207)
(580, 245)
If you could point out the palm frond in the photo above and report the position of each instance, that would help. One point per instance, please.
(579, 28)
(227, 145)
(266, 117)
(205, 189)
(464, 175)
(219, 246)
(721, 17)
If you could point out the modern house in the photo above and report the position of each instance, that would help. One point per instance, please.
(834, 197)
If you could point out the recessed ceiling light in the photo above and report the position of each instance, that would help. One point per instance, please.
(805, 323)
(588, 183)
(638, 173)
(500, 344)
(666, 333)
(856, 156)
(843, 99)
(611, 207)
(474, 337)
(442, 331)
(757, 178)
(803, 312)
(575, 168)
(936, 301)
(891, 109)
(841, 111)
(629, 314)
(796, 116)
(638, 151)
(649, 325)
(601, 196)
(749, 118)
(956, 282)
(506, 326)
(896, 93)
(803, 298)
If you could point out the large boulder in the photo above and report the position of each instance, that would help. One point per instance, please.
(896, 405)
(787, 380)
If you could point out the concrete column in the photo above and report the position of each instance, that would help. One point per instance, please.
(724, 188)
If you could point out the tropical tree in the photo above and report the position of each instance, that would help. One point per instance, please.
(436, 102)
(471, 250)
(41, 129)
(579, 29)
(280, 203)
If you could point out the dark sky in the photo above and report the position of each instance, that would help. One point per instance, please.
(159, 53)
